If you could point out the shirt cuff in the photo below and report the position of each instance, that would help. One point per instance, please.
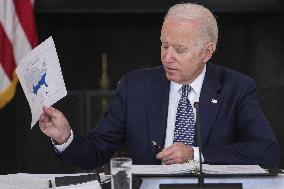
(61, 147)
(196, 155)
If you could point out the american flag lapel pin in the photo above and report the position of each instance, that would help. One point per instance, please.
(214, 101)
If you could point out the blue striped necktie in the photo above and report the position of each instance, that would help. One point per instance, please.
(185, 125)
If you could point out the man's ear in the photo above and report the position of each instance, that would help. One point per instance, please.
(208, 52)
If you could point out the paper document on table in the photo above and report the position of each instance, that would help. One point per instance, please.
(88, 185)
(194, 167)
(162, 169)
(41, 78)
(233, 169)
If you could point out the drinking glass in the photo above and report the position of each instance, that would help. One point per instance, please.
(121, 177)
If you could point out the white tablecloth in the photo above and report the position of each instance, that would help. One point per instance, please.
(262, 182)
(41, 181)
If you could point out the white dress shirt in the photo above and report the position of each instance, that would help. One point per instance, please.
(174, 97)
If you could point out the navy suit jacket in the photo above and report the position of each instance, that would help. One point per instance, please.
(233, 130)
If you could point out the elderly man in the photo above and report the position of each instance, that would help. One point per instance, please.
(157, 105)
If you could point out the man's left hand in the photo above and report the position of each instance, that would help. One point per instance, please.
(176, 153)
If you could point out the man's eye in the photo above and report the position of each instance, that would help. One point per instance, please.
(180, 51)
(164, 46)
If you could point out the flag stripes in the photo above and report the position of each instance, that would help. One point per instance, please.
(6, 57)
(17, 37)
(24, 10)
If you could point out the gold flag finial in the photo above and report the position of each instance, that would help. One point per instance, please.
(104, 80)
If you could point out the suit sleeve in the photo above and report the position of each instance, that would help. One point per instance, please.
(101, 143)
(254, 141)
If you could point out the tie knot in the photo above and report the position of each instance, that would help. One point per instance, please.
(185, 90)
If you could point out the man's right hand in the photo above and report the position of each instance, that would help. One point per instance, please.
(54, 124)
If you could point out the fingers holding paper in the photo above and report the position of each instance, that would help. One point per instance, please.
(176, 153)
(54, 124)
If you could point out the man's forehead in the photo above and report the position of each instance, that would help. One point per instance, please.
(180, 26)
(181, 33)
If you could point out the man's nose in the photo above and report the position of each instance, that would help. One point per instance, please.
(169, 55)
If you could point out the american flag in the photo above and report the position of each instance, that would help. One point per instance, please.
(17, 37)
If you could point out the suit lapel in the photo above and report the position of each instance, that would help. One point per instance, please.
(157, 104)
(210, 101)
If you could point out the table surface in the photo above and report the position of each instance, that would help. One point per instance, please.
(260, 182)
(38, 181)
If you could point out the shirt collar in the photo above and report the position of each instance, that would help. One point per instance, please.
(195, 85)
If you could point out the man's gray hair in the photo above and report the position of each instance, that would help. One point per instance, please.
(198, 13)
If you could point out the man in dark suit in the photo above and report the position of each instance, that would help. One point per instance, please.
(157, 105)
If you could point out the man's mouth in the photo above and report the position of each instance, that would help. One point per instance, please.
(170, 69)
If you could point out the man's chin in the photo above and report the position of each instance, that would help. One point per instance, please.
(172, 77)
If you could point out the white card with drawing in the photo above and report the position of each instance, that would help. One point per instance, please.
(41, 78)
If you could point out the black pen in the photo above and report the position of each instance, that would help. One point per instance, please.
(49, 184)
(157, 148)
